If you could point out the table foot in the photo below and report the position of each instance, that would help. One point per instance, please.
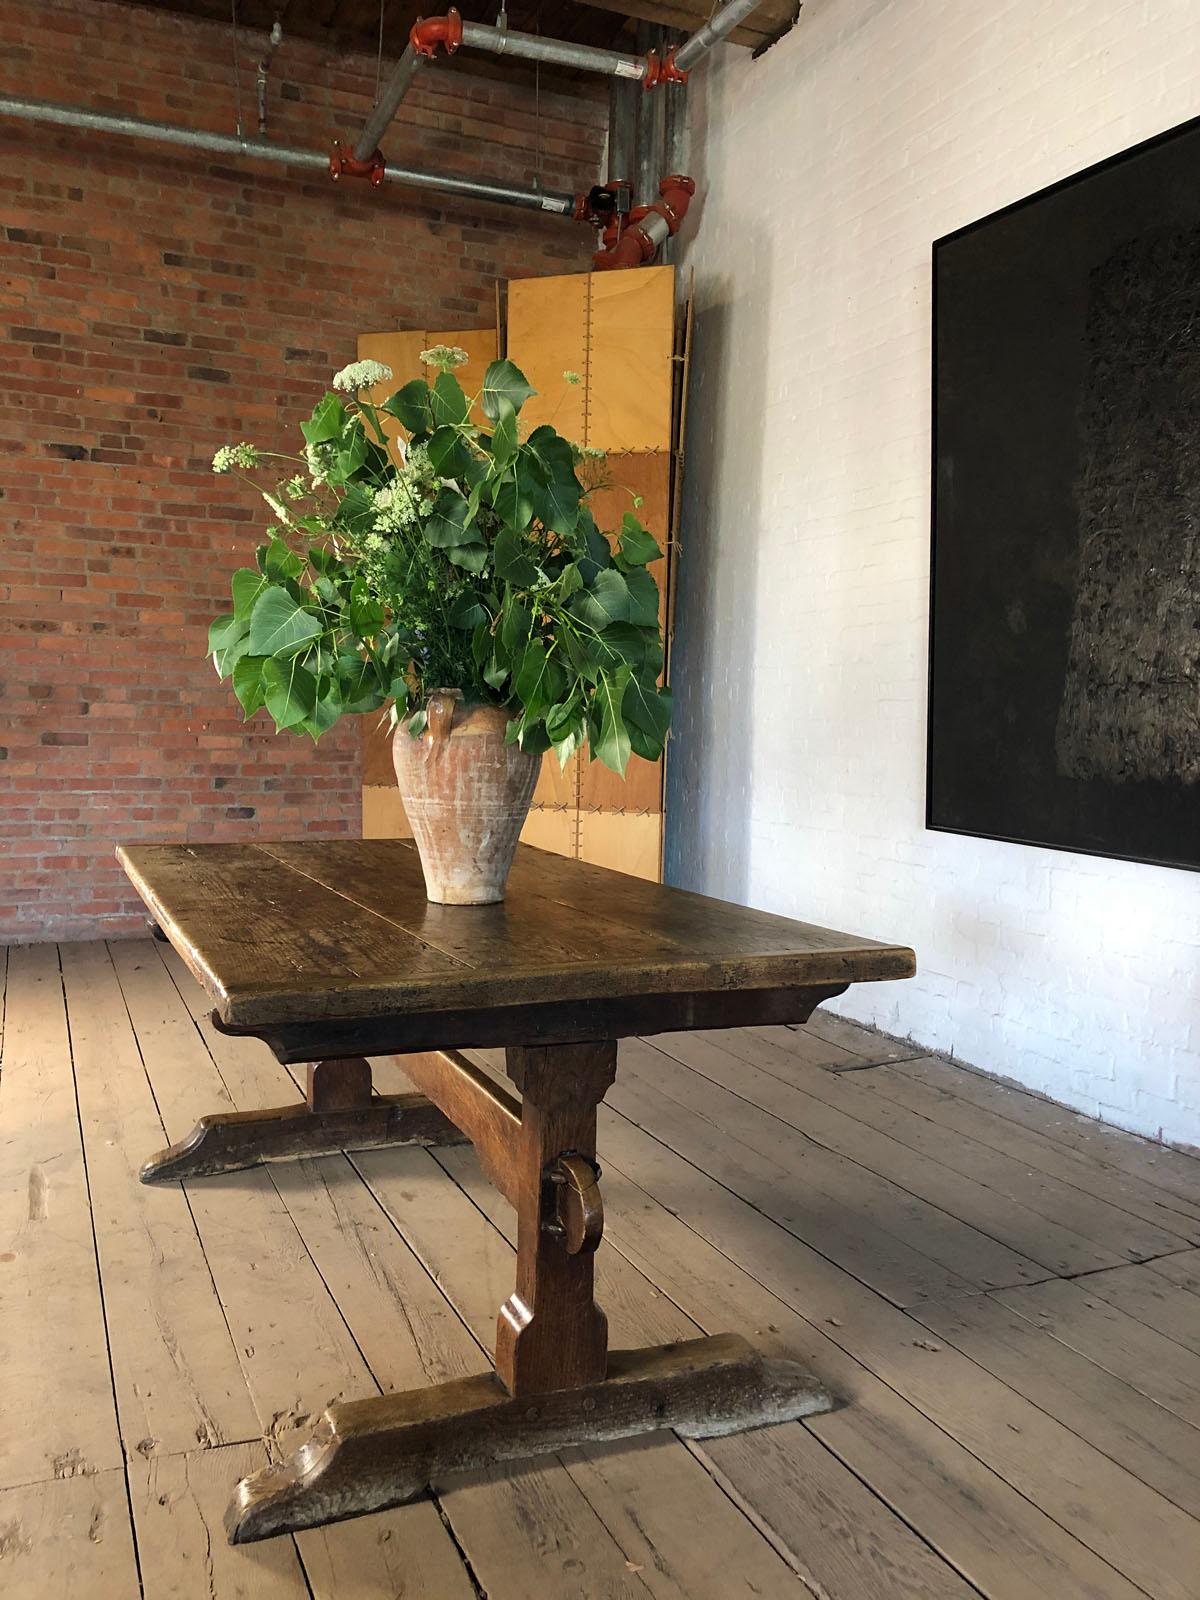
(340, 1113)
(367, 1455)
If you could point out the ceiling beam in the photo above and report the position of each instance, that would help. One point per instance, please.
(766, 22)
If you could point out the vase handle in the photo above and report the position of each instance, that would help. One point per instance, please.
(439, 713)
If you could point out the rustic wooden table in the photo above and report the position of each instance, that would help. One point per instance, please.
(331, 953)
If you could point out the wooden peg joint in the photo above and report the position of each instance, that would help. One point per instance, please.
(575, 1209)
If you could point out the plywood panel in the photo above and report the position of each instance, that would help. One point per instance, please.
(383, 815)
(547, 336)
(552, 829)
(630, 367)
(557, 786)
(623, 841)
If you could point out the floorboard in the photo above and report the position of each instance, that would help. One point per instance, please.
(1005, 1297)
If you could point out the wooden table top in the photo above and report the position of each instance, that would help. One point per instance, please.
(282, 933)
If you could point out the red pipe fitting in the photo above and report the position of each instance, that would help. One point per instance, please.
(633, 245)
(343, 165)
(429, 32)
(662, 69)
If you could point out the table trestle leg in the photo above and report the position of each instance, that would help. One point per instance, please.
(367, 1455)
(338, 1113)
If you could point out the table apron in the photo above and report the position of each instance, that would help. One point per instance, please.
(542, 1023)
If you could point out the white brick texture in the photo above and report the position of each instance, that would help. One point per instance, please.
(796, 779)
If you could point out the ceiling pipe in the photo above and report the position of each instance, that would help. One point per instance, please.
(503, 41)
(451, 32)
(622, 109)
(649, 125)
(260, 150)
(714, 30)
(400, 81)
(647, 228)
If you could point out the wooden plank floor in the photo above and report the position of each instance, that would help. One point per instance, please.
(1006, 1297)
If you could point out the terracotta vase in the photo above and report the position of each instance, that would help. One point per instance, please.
(467, 795)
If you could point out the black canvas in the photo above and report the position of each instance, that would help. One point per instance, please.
(1065, 632)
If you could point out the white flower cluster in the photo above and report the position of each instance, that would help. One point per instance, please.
(361, 375)
(235, 455)
(317, 457)
(410, 496)
(445, 357)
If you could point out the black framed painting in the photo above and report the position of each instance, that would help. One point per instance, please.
(1064, 704)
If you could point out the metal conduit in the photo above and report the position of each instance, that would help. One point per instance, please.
(399, 82)
(261, 150)
(713, 31)
(585, 57)
(622, 108)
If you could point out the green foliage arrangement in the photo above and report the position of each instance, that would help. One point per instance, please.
(476, 564)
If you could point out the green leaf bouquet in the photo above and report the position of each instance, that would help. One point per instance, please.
(457, 559)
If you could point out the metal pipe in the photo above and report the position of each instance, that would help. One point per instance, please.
(649, 129)
(677, 142)
(400, 81)
(713, 31)
(584, 57)
(260, 150)
(622, 111)
(260, 76)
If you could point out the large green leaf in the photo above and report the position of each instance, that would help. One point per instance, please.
(224, 631)
(643, 597)
(411, 407)
(366, 613)
(352, 455)
(466, 611)
(504, 434)
(565, 729)
(326, 711)
(539, 679)
(512, 495)
(528, 732)
(595, 553)
(248, 684)
(357, 682)
(281, 561)
(637, 546)
(356, 510)
(621, 642)
(613, 746)
(247, 585)
(279, 626)
(447, 402)
(448, 525)
(290, 692)
(647, 708)
(470, 557)
(514, 564)
(556, 504)
(327, 421)
(605, 600)
(516, 623)
(504, 381)
(448, 454)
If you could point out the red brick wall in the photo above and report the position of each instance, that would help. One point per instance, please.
(155, 303)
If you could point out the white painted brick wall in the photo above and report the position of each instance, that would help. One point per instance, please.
(796, 782)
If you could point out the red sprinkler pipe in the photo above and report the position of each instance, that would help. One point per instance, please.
(429, 32)
(646, 227)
